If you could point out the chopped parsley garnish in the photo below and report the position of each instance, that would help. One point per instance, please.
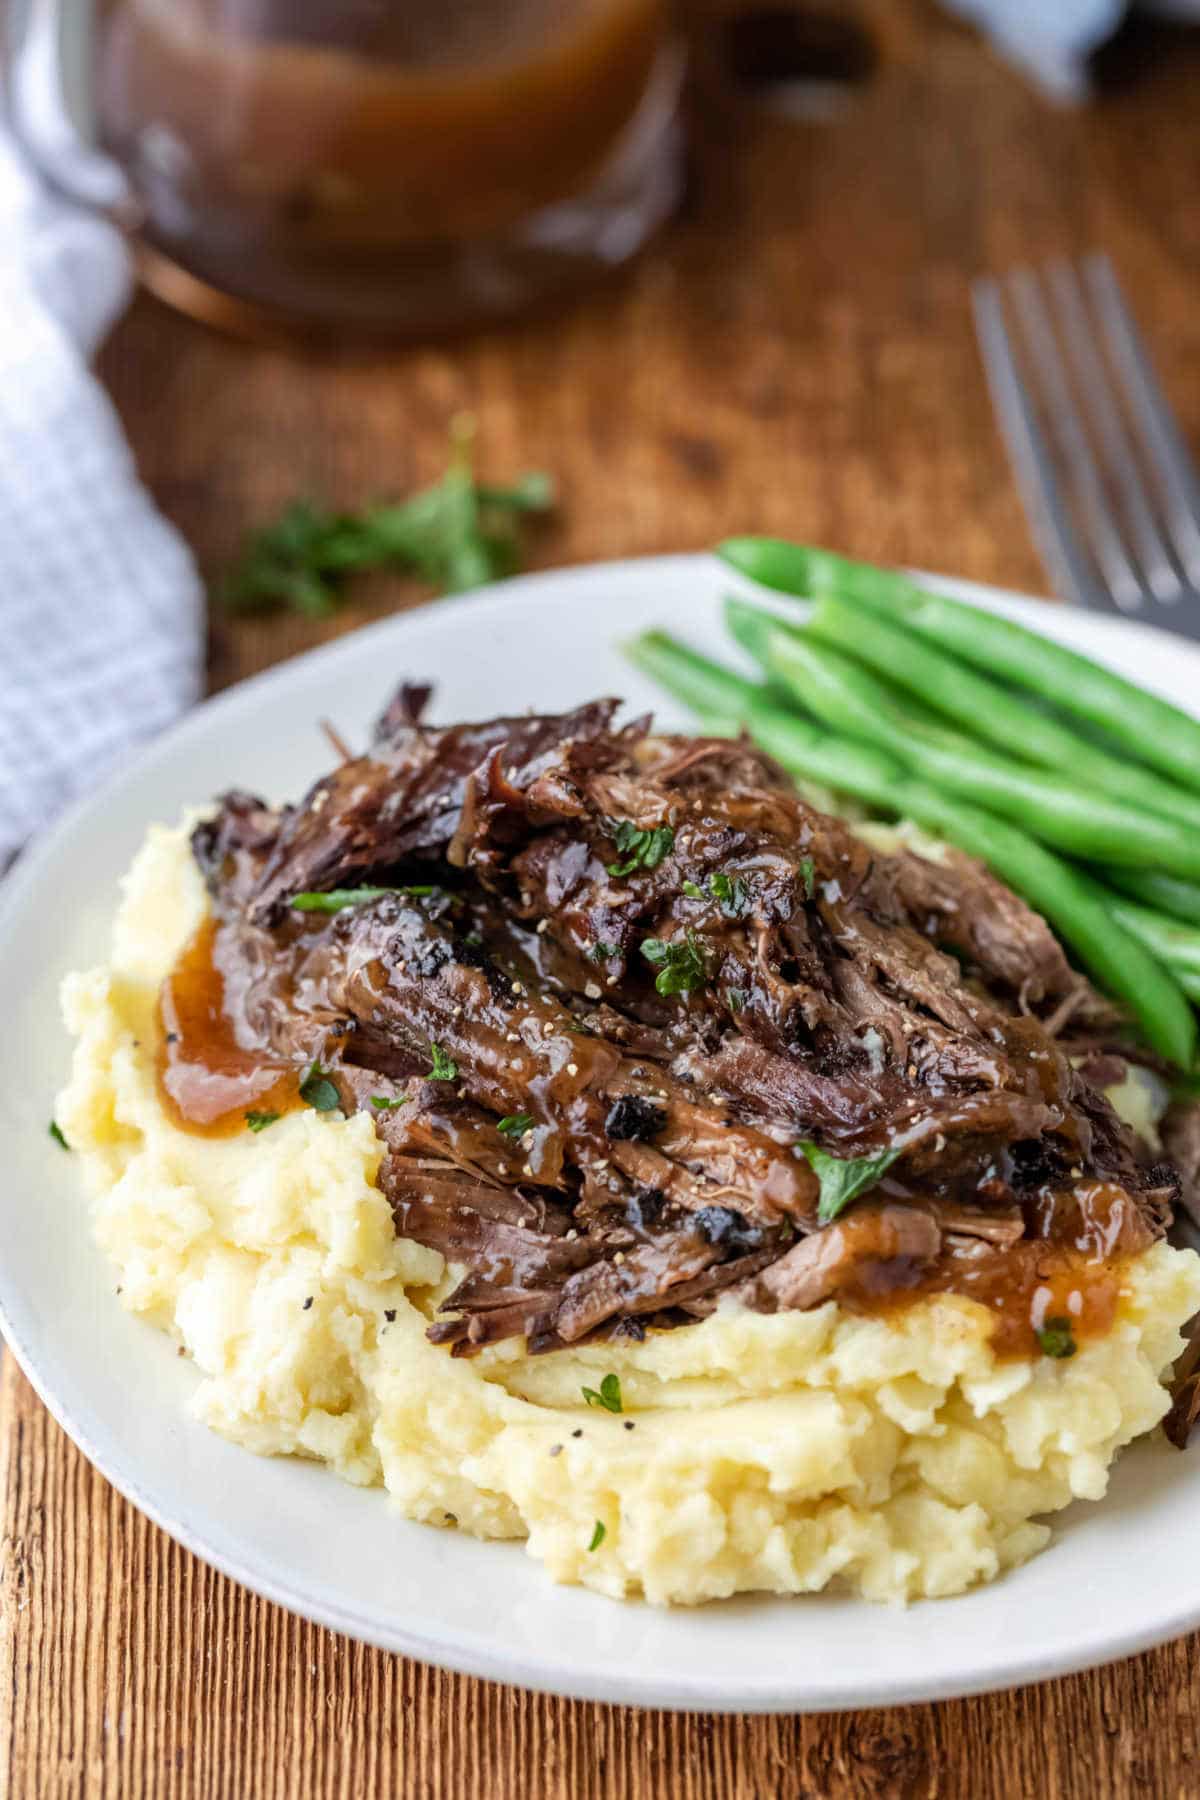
(843, 1179)
(515, 1125)
(55, 1130)
(385, 1103)
(317, 1091)
(338, 898)
(598, 1536)
(729, 891)
(258, 1121)
(640, 849)
(609, 1396)
(806, 869)
(679, 961)
(601, 952)
(458, 534)
(442, 1067)
(1057, 1338)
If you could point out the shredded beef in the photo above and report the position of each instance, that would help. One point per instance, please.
(651, 1161)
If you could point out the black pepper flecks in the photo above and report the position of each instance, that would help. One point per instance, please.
(631, 1119)
(724, 1226)
(307, 1304)
(389, 1313)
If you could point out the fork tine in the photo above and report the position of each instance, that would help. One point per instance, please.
(1070, 568)
(1120, 574)
(1093, 383)
(1164, 445)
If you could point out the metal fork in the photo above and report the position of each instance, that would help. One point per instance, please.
(1108, 484)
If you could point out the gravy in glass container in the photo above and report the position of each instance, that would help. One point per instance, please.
(391, 163)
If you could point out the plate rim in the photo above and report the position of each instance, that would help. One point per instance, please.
(458, 1651)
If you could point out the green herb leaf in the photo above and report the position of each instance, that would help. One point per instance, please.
(679, 961)
(601, 952)
(736, 998)
(317, 1091)
(515, 1125)
(692, 891)
(1057, 1338)
(385, 1103)
(442, 1067)
(598, 1536)
(640, 849)
(335, 899)
(807, 871)
(258, 1121)
(458, 534)
(55, 1130)
(843, 1179)
(730, 893)
(609, 1395)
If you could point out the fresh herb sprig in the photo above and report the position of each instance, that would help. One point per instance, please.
(729, 892)
(843, 1179)
(317, 1091)
(337, 899)
(441, 1066)
(458, 534)
(680, 963)
(258, 1121)
(640, 849)
(608, 1396)
(56, 1132)
(1057, 1338)
(515, 1125)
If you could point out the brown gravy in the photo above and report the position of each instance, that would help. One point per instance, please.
(207, 1081)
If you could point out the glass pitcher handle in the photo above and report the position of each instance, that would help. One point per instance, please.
(49, 104)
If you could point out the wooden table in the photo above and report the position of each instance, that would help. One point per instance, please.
(795, 356)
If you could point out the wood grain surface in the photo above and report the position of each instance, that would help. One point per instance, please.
(794, 356)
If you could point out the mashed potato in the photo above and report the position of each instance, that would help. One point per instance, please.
(778, 1453)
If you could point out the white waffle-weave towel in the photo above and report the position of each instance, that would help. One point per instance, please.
(100, 603)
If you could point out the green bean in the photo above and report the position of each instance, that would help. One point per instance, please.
(1172, 943)
(995, 714)
(1163, 893)
(1119, 963)
(849, 699)
(716, 693)
(751, 626)
(1150, 729)
(1116, 960)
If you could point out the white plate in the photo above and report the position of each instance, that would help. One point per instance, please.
(1117, 1577)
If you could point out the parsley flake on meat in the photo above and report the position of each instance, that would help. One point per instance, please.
(317, 1091)
(515, 1125)
(337, 899)
(843, 1179)
(641, 849)
(441, 1067)
(679, 961)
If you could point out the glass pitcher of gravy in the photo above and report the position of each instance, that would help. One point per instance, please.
(394, 165)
